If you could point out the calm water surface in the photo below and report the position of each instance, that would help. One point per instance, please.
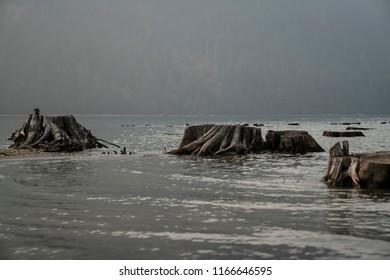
(155, 206)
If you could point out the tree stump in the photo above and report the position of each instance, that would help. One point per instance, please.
(292, 142)
(343, 134)
(194, 132)
(206, 140)
(366, 170)
(53, 134)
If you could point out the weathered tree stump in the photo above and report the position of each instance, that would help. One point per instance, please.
(194, 132)
(366, 170)
(292, 142)
(343, 134)
(206, 140)
(53, 134)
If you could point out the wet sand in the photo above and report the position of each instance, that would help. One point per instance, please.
(10, 154)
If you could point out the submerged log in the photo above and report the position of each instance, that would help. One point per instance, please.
(357, 128)
(366, 170)
(206, 140)
(343, 134)
(53, 134)
(292, 142)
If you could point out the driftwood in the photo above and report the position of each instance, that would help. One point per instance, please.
(357, 128)
(53, 134)
(346, 123)
(206, 140)
(343, 134)
(366, 170)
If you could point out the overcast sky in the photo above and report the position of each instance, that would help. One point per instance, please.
(195, 57)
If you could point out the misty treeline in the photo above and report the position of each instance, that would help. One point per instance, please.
(195, 57)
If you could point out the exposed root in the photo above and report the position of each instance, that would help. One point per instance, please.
(54, 134)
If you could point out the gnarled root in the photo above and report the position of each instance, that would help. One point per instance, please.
(220, 140)
(53, 134)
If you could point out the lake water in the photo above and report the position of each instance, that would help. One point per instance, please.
(150, 205)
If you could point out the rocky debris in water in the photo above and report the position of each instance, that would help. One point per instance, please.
(122, 151)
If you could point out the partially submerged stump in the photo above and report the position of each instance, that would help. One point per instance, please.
(343, 133)
(292, 142)
(53, 134)
(209, 140)
(194, 132)
(366, 170)
(204, 140)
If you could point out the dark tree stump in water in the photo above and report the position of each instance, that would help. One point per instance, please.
(206, 140)
(194, 132)
(366, 170)
(53, 134)
(292, 142)
(343, 134)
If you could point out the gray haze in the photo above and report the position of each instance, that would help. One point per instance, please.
(195, 56)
